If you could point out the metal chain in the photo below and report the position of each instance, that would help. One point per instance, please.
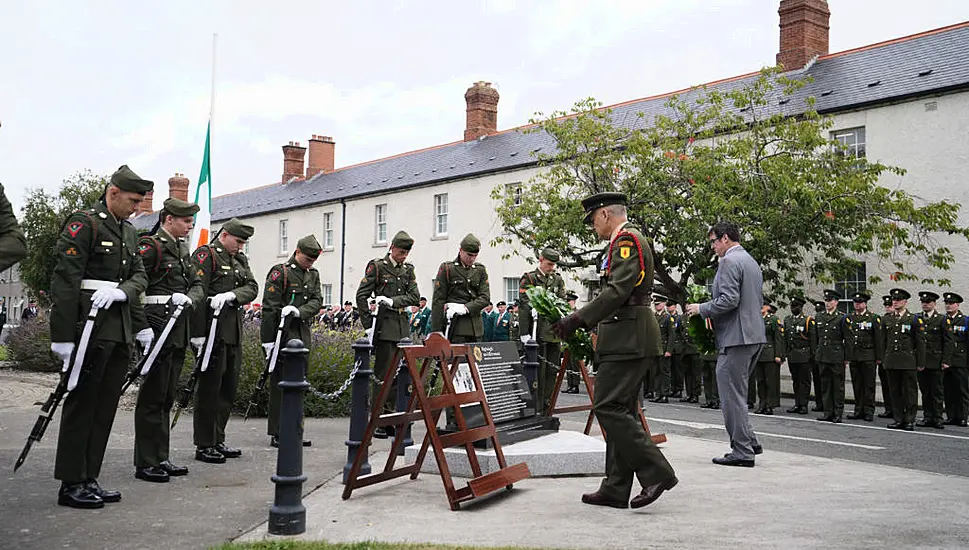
(556, 367)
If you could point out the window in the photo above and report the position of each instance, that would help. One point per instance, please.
(283, 237)
(380, 224)
(852, 141)
(856, 282)
(514, 191)
(328, 230)
(511, 289)
(327, 294)
(440, 215)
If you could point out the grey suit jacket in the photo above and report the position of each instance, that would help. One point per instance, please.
(738, 294)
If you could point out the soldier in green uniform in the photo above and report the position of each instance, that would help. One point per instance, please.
(502, 323)
(936, 357)
(461, 291)
(883, 377)
(229, 284)
(867, 335)
(514, 334)
(627, 342)
(815, 371)
(663, 374)
(392, 282)
(572, 376)
(419, 323)
(903, 346)
(956, 377)
(549, 349)
(676, 349)
(293, 291)
(13, 245)
(768, 368)
(711, 394)
(172, 281)
(834, 347)
(800, 340)
(689, 367)
(97, 266)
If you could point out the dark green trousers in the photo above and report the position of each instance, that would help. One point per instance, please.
(833, 387)
(676, 374)
(801, 380)
(905, 395)
(664, 377)
(154, 407)
(383, 356)
(816, 377)
(768, 376)
(215, 394)
(863, 386)
(956, 390)
(885, 380)
(629, 449)
(930, 384)
(88, 412)
(549, 359)
(710, 392)
(692, 375)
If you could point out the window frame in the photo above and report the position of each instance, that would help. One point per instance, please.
(328, 231)
(439, 199)
(857, 146)
(848, 286)
(283, 236)
(380, 223)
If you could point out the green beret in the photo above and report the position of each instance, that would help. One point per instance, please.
(470, 244)
(550, 254)
(594, 202)
(402, 240)
(124, 178)
(180, 208)
(310, 246)
(238, 229)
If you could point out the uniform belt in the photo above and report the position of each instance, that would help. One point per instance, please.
(95, 284)
(637, 300)
(157, 299)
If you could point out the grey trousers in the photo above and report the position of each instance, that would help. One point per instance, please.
(735, 365)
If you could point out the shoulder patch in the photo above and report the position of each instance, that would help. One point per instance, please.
(71, 251)
(201, 255)
(143, 247)
(370, 268)
(74, 227)
(625, 250)
(274, 274)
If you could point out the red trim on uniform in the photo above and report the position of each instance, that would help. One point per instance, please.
(639, 247)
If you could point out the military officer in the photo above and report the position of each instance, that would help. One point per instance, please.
(711, 394)
(956, 377)
(768, 368)
(502, 323)
(676, 348)
(97, 265)
(936, 358)
(572, 376)
(689, 369)
(834, 347)
(663, 375)
(229, 284)
(800, 340)
(882, 373)
(392, 282)
(815, 370)
(419, 323)
(292, 290)
(627, 341)
(13, 245)
(867, 335)
(549, 349)
(461, 291)
(903, 346)
(172, 282)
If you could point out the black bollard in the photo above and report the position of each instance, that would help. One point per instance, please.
(359, 406)
(403, 395)
(530, 366)
(287, 515)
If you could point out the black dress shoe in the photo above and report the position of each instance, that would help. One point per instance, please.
(908, 427)
(750, 406)
(868, 418)
(77, 495)
(836, 419)
(172, 469)
(896, 425)
(210, 455)
(802, 410)
(885, 414)
(649, 395)
(599, 499)
(694, 399)
(228, 452)
(855, 416)
(793, 409)
(961, 423)
(924, 423)
(769, 411)
(938, 425)
(274, 442)
(761, 410)
(817, 408)
(677, 394)
(649, 494)
(684, 400)
(662, 399)
(826, 418)
(758, 449)
(380, 432)
(155, 474)
(726, 461)
(107, 495)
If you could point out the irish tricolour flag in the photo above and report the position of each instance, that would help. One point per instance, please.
(203, 197)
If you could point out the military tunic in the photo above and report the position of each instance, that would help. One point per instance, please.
(94, 249)
(768, 368)
(800, 341)
(956, 377)
(220, 272)
(455, 283)
(663, 375)
(902, 347)
(13, 245)
(867, 335)
(549, 348)
(833, 349)
(628, 340)
(288, 284)
(690, 369)
(936, 353)
(169, 269)
(488, 322)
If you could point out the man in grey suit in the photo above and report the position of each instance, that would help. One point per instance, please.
(735, 311)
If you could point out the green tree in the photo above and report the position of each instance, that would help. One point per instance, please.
(808, 208)
(43, 216)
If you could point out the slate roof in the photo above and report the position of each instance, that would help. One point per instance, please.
(927, 63)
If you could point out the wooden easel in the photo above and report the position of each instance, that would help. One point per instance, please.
(421, 362)
(590, 388)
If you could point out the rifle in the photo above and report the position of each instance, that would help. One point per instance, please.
(269, 368)
(66, 384)
(143, 366)
(201, 364)
(440, 365)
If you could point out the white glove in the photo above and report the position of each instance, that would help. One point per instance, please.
(178, 299)
(290, 310)
(268, 346)
(457, 309)
(144, 337)
(221, 299)
(368, 333)
(526, 338)
(63, 350)
(384, 301)
(197, 342)
(104, 297)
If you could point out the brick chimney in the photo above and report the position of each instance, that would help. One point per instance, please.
(482, 102)
(293, 155)
(322, 149)
(178, 187)
(804, 32)
(144, 207)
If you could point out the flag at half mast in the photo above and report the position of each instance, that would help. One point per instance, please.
(203, 197)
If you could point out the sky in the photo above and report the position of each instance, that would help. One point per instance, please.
(100, 83)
